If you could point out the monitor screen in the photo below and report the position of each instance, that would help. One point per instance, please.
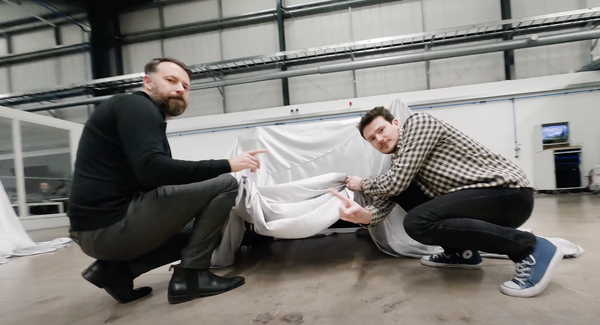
(555, 133)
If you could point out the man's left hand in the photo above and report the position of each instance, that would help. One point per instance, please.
(354, 184)
(351, 211)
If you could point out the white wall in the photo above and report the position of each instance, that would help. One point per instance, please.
(492, 122)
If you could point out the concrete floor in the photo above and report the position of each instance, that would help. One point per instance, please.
(341, 279)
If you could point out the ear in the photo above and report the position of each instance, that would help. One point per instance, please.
(147, 82)
(395, 122)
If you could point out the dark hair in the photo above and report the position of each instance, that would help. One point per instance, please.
(153, 64)
(373, 114)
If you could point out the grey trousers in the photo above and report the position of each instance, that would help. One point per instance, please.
(170, 223)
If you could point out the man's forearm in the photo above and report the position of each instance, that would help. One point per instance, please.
(164, 170)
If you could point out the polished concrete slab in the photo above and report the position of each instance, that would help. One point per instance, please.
(341, 279)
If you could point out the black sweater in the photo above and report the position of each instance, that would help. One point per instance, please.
(123, 150)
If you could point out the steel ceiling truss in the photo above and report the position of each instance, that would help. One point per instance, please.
(585, 18)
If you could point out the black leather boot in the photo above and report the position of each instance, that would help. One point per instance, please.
(188, 284)
(116, 279)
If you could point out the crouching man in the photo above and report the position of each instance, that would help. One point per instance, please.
(457, 194)
(135, 208)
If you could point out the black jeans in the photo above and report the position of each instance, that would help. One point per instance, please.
(477, 219)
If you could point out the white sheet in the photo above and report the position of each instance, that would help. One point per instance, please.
(288, 198)
(14, 241)
(291, 210)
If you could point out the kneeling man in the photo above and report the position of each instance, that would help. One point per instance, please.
(135, 208)
(457, 194)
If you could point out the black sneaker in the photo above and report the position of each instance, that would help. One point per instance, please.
(466, 260)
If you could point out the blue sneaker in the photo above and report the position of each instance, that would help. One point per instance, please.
(533, 274)
(468, 259)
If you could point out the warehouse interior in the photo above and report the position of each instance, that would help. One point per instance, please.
(504, 72)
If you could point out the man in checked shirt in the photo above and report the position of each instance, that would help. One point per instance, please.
(457, 194)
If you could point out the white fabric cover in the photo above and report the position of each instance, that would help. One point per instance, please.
(14, 241)
(326, 151)
(292, 210)
(288, 198)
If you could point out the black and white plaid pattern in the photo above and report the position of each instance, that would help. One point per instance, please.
(442, 160)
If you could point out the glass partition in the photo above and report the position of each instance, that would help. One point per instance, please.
(36, 165)
(46, 168)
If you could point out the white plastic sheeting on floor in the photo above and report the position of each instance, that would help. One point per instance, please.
(14, 241)
(288, 198)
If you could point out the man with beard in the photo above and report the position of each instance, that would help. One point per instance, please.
(135, 208)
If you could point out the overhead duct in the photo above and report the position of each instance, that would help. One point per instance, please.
(531, 41)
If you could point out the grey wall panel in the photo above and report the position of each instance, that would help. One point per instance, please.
(3, 46)
(72, 34)
(74, 69)
(40, 40)
(253, 96)
(204, 102)
(467, 70)
(4, 85)
(299, 2)
(317, 30)
(321, 87)
(139, 21)
(526, 8)
(391, 79)
(25, 9)
(551, 60)
(248, 41)
(77, 114)
(237, 7)
(390, 19)
(194, 49)
(135, 56)
(191, 12)
(34, 75)
(441, 14)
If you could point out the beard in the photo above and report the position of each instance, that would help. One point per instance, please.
(169, 105)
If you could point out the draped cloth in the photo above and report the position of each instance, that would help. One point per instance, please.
(14, 240)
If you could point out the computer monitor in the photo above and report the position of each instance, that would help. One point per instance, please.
(555, 134)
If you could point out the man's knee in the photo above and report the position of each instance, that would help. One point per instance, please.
(230, 183)
(229, 188)
(416, 226)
